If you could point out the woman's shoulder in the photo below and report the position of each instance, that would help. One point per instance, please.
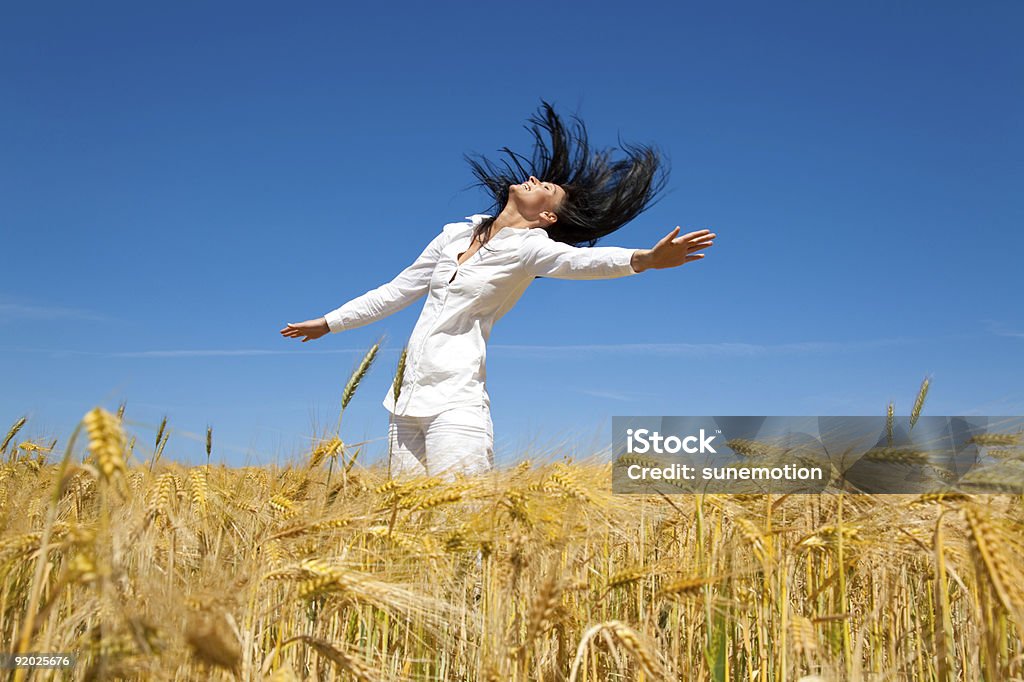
(470, 221)
(535, 236)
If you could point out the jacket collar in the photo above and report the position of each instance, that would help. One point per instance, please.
(478, 218)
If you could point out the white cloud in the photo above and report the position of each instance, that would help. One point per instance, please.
(181, 353)
(726, 349)
(996, 327)
(705, 349)
(612, 395)
(20, 311)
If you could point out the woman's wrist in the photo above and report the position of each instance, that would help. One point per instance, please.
(640, 260)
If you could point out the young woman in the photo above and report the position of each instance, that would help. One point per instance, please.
(473, 272)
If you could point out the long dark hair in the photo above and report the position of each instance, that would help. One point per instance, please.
(600, 195)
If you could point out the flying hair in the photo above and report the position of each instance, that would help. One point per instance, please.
(601, 195)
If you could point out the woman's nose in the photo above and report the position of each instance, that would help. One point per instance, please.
(534, 180)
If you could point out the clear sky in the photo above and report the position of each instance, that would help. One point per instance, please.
(178, 181)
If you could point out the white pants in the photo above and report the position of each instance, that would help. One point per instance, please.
(457, 440)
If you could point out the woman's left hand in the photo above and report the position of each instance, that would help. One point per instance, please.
(672, 251)
(310, 329)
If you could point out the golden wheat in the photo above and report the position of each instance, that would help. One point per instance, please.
(624, 636)
(106, 442)
(358, 374)
(915, 413)
(348, 662)
(533, 572)
(11, 433)
(396, 384)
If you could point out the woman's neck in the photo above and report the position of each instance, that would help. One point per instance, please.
(510, 217)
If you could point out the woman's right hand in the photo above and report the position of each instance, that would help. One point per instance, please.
(671, 252)
(311, 329)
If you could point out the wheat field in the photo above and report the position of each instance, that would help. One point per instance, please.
(326, 569)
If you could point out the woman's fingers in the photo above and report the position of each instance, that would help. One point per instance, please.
(292, 331)
(689, 248)
(307, 330)
(703, 235)
(668, 237)
(701, 245)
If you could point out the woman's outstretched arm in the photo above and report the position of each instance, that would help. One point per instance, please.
(542, 256)
(409, 285)
(545, 257)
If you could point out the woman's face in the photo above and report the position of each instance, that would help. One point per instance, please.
(533, 197)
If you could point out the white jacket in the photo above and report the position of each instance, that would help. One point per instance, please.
(445, 365)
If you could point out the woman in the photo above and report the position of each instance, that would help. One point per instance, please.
(473, 272)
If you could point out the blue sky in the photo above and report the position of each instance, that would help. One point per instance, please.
(177, 182)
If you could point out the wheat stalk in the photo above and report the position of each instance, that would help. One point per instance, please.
(755, 448)
(890, 422)
(897, 455)
(943, 623)
(327, 576)
(399, 374)
(212, 641)
(209, 444)
(919, 401)
(801, 633)
(200, 489)
(160, 496)
(995, 439)
(1004, 476)
(686, 586)
(1005, 576)
(160, 431)
(625, 577)
(358, 374)
(11, 433)
(325, 449)
(625, 637)
(349, 662)
(545, 610)
(106, 443)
